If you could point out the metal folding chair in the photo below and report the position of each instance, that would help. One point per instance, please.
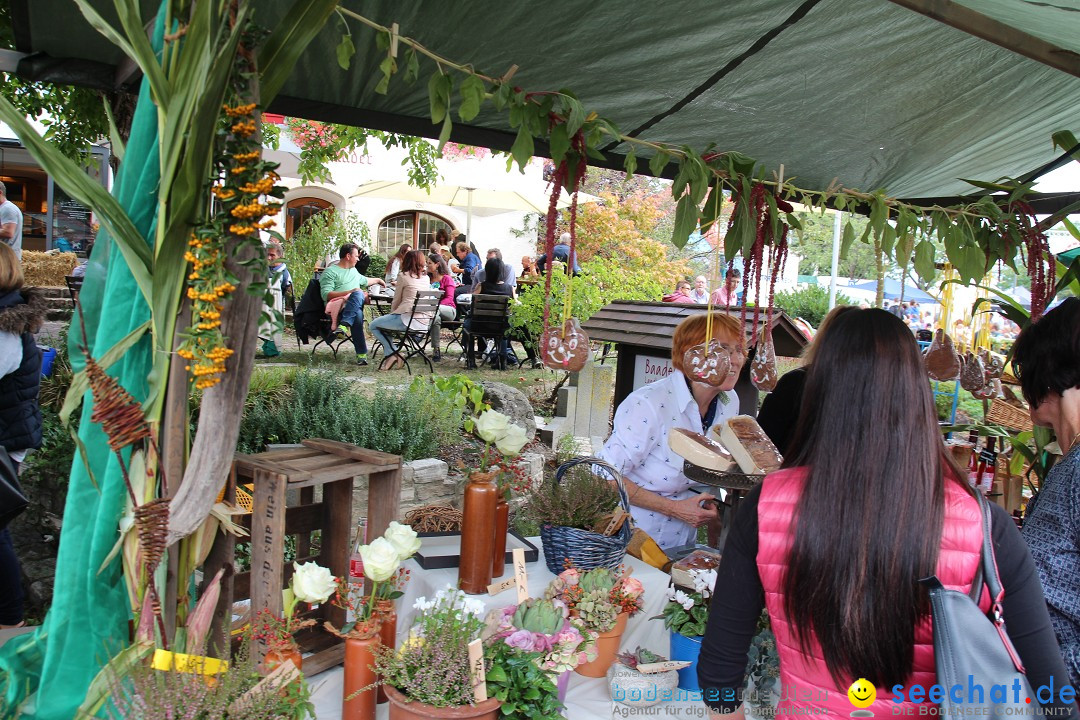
(413, 342)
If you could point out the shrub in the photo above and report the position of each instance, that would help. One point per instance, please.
(45, 472)
(412, 424)
(601, 282)
(377, 268)
(319, 236)
(810, 303)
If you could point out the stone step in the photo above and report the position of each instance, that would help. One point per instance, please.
(58, 315)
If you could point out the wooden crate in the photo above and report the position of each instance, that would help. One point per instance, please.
(334, 466)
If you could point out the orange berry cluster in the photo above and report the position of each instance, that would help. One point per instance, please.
(239, 211)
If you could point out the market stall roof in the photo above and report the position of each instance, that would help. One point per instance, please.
(870, 94)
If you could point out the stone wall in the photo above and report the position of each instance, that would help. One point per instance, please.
(432, 482)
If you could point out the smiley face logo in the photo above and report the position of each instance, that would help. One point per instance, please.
(862, 693)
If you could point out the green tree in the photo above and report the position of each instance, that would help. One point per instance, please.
(814, 247)
(323, 143)
(74, 118)
(321, 235)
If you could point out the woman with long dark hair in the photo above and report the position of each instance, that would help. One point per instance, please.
(413, 279)
(834, 544)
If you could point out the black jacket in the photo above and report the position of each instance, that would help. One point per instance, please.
(21, 313)
(310, 313)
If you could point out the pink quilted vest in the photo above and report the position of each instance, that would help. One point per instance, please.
(805, 681)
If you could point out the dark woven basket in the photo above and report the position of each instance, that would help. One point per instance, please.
(583, 548)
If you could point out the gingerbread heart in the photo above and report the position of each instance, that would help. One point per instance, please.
(763, 372)
(942, 362)
(565, 349)
(991, 364)
(972, 374)
(709, 364)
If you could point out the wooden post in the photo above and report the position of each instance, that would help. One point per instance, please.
(267, 545)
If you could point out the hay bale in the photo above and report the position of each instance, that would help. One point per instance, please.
(44, 269)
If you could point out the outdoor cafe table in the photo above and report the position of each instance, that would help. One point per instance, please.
(587, 698)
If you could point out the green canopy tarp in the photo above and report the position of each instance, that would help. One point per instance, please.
(870, 94)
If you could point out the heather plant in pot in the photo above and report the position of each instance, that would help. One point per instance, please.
(429, 675)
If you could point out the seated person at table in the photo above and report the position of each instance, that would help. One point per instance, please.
(493, 269)
(660, 497)
(528, 267)
(468, 261)
(560, 253)
(441, 279)
(340, 280)
(393, 265)
(441, 238)
(681, 294)
(508, 272)
(412, 279)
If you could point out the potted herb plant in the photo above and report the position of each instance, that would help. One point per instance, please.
(603, 600)
(429, 676)
(685, 616)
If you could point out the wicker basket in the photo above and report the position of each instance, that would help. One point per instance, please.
(1008, 415)
(585, 549)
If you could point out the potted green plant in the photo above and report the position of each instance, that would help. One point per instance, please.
(429, 677)
(685, 616)
(542, 631)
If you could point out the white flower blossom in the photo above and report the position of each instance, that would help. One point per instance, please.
(683, 599)
(312, 583)
(491, 425)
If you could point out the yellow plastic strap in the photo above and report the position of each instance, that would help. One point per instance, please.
(196, 664)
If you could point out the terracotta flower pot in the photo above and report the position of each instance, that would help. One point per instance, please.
(477, 532)
(401, 708)
(607, 646)
(498, 549)
(274, 658)
(359, 673)
(384, 610)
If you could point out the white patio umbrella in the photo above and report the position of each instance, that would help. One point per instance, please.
(476, 197)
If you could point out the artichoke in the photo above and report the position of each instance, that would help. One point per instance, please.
(539, 615)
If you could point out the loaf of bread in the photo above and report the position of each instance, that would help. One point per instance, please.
(750, 446)
(700, 450)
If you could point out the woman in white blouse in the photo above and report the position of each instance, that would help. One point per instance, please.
(660, 497)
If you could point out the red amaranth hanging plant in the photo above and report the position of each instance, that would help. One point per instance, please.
(565, 347)
(1041, 265)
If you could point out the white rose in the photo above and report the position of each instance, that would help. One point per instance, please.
(313, 583)
(380, 559)
(512, 440)
(491, 425)
(403, 538)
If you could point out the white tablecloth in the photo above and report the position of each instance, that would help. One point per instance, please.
(587, 698)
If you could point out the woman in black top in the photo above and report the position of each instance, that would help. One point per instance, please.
(866, 523)
(494, 269)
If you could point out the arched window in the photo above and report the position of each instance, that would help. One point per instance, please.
(300, 209)
(415, 228)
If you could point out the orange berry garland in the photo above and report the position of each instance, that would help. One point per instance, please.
(242, 207)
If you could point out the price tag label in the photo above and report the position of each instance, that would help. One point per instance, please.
(650, 668)
(988, 456)
(476, 670)
(496, 588)
(617, 519)
(520, 576)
